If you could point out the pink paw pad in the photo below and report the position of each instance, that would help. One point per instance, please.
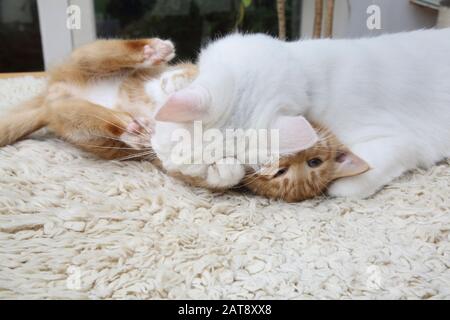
(148, 52)
(138, 133)
(159, 51)
(134, 127)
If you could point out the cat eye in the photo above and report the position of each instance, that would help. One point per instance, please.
(314, 163)
(280, 172)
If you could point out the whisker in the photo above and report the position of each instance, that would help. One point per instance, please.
(139, 133)
(133, 156)
(102, 147)
(147, 132)
(122, 140)
(115, 125)
(247, 182)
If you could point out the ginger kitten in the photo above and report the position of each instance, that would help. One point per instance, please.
(102, 99)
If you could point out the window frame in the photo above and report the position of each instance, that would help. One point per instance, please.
(58, 41)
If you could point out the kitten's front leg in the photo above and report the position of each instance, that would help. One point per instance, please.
(179, 78)
(138, 133)
(386, 163)
(225, 173)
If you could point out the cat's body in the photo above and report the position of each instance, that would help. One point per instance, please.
(386, 98)
(103, 98)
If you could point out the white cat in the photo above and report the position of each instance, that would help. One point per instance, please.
(387, 98)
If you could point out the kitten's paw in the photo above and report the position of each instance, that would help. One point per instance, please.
(225, 173)
(138, 133)
(174, 81)
(158, 51)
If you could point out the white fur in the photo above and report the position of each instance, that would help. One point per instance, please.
(168, 82)
(154, 90)
(387, 98)
(103, 92)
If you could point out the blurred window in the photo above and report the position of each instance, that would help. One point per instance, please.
(21, 48)
(190, 23)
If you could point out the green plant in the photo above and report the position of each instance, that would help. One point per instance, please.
(241, 15)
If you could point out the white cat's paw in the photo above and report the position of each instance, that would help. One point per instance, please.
(225, 173)
(158, 51)
(138, 133)
(352, 188)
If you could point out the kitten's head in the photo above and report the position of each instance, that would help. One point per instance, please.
(308, 173)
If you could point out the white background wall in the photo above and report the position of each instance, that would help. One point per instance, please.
(351, 17)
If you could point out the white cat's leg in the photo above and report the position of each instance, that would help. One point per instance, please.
(386, 162)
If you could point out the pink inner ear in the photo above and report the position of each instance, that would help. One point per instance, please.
(296, 134)
(186, 105)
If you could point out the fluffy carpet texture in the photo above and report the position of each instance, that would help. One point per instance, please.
(72, 226)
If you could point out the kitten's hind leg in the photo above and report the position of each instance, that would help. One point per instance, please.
(386, 163)
(107, 133)
(107, 57)
(158, 51)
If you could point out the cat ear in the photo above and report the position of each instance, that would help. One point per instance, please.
(186, 105)
(296, 134)
(349, 164)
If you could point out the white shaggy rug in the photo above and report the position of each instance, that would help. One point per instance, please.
(72, 226)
